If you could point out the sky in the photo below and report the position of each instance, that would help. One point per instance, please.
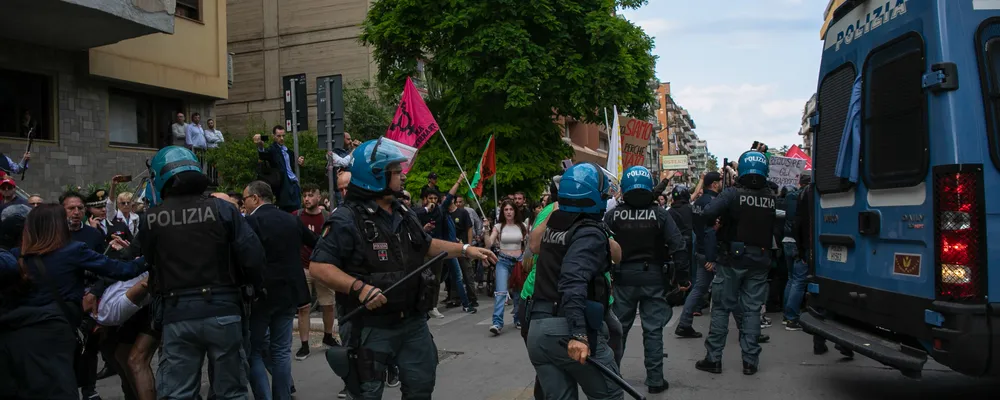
(742, 68)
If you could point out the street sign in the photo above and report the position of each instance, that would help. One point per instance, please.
(330, 120)
(295, 100)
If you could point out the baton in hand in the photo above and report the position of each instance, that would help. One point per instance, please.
(408, 276)
(608, 373)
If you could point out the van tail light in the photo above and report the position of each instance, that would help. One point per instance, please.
(959, 233)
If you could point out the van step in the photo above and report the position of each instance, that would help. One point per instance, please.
(892, 354)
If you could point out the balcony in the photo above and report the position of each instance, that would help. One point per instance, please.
(83, 24)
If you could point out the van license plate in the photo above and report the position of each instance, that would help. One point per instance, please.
(837, 254)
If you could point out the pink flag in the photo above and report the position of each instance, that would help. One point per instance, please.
(413, 124)
(796, 152)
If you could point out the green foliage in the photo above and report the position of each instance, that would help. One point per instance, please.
(504, 68)
(713, 163)
(368, 109)
(236, 159)
(89, 188)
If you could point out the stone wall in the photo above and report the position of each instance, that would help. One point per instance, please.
(79, 153)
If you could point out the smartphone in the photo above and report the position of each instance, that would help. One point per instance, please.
(754, 145)
(263, 138)
(126, 178)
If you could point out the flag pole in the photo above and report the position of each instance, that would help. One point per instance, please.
(496, 200)
(474, 197)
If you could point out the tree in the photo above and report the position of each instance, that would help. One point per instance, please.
(713, 163)
(368, 109)
(782, 150)
(505, 68)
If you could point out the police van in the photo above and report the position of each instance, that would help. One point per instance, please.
(907, 184)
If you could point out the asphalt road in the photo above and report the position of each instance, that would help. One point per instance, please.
(476, 365)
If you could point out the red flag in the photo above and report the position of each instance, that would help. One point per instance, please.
(413, 124)
(487, 167)
(796, 152)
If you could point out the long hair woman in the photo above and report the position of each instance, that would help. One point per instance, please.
(511, 233)
(43, 291)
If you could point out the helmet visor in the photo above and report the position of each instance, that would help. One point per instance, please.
(394, 151)
(614, 187)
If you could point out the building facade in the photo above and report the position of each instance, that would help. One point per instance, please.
(809, 111)
(101, 92)
(679, 138)
(271, 39)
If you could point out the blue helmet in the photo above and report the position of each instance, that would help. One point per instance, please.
(373, 158)
(637, 178)
(752, 163)
(170, 161)
(585, 188)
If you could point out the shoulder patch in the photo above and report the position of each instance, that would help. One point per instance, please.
(326, 230)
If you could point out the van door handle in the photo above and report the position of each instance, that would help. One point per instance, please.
(869, 223)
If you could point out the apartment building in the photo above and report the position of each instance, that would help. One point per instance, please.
(100, 82)
(809, 112)
(271, 39)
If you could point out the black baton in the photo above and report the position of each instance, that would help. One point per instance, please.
(408, 276)
(608, 373)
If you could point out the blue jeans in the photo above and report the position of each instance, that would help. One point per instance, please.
(271, 332)
(185, 345)
(702, 281)
(456, 279)
(795, 289)
(505, 266)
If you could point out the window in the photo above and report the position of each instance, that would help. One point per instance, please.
(834, 98)
(894, 126)
(988, 39)
(25, 103)
(602, 144)
(190, 9)
(140, 120)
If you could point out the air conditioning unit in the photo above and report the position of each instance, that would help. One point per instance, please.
(229, 69)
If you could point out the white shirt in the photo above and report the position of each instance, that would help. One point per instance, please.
(114, 307)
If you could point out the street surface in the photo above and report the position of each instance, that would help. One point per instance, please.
(475, 365)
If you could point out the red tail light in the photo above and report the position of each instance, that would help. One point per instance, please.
(959, 234)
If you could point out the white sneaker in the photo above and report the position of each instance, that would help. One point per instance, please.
(436, 314)
(495, 330)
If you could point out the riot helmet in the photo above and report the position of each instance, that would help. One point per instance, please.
(680, 194)
(637, 185)
(585, 188)
(753, 170)
(372, 161)
(167, 164)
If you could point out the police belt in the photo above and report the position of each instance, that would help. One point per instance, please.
(747, 249)
(206, 292)
(543, 309)
(387, 320)
(639, 274)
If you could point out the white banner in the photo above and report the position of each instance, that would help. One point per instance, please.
(785, 171)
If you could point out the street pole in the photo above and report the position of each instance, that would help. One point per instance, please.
(295, 131)
(331, 175)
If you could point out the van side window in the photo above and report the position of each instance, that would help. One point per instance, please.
(894, 127)
(988, 39)
(833, 100)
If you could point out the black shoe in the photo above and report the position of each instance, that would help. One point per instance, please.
(474, 304)
(452, 304)
(469, 310)
(793, 326)
(91, 396)
(820, 349)
(392, 376)
(106, 373)
(687, 332)
(659, 389)
(342, 394)
(848, 353)
(293, 389)
(330, 341)
(749, 369)
(708, 366)
(303, 353)
(763, 339)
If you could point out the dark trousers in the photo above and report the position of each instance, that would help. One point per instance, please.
(524, 335)
(36, 362)
(86, 365)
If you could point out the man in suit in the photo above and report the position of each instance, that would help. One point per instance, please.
(282, 236)
(279, 172)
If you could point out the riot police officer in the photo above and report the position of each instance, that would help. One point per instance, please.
(648, 235)
(202, 252)
(683, 215)
(367, 245)
(747, 214)
(571, 293)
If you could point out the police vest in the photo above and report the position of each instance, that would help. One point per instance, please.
(388, 257)
(555, 243)
(639, 232)
(191, 245)
(754, 225)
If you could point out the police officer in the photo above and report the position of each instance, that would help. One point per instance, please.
(747, 217)
(202, 252)
(704, 274)
(683, 215)
(368, 244)
(571, 293)
(648, 235)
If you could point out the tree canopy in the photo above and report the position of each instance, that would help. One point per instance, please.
(507, 68)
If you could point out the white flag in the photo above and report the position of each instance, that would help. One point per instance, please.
(614, 147)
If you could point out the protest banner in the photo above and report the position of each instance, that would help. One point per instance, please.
(796, 152)
(785, 171)
(636, 135)
(679, 162)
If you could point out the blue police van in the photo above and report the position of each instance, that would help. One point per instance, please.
(907, 184)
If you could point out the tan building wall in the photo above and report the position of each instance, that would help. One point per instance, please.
(663, 117)
(274, 38)
(192, 60)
